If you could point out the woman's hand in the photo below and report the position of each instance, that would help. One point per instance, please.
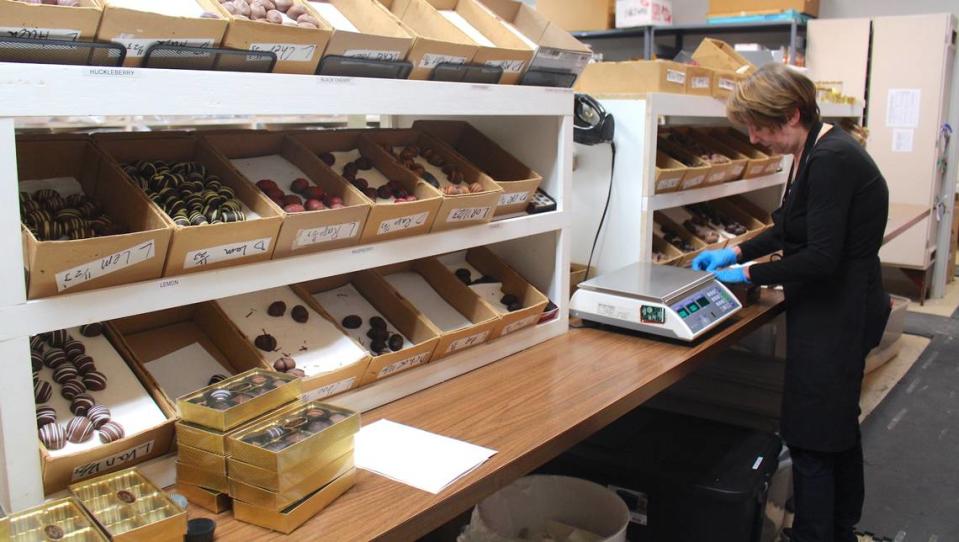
(712, 260)
(733, 275)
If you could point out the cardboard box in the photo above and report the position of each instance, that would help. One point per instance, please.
(754, 226)
(724, 83)
(633, 77)
(732, 8)
(481, 317)
(298, 50)
(699, 80)
(696, 174)
(283, 482)
(399, 316)
(577, 274)
(66, 514)
(310, 231)
(43, 21)
(488, 264)
(678, 144)
(210, 246)
(580, 15)
(208, 499)
(139, 30)
(630, 13)
(202, 438)
(752, 209)
(518, 181)
(278, 501)
(729, 134)
(194, 408)
(386, 220)
(191, 474)
(499, 47)
(670, 254)
(438, 41)
(733, 170)
(684, 258)
(669, 173)
(58, 267)
(297, 514)
(719, 55)
(559, 58)
(455, 211)
(152, 439)
(676, 217)
(759, 163)
(379, 36)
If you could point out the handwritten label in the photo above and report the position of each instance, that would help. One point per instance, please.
(520, 324)
(467, 342)
(398, 366)
(106, 265)
(717, 177)
(370, 54)
(692, 182)
(668, 184)
(738, 170)
(469, 214)
(700, 82)
(509, 66)
(402, 223)
(726, 84)
(137, 47)
(67, 34)
(222, 253)
(126, 456)
(325, 234)
(431, 60)
(330, 389)
(513, 198)
(674, 76)
(287, 52)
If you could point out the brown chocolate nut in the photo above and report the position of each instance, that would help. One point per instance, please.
(352, 322)
(395, 342)
(274, 16)
(308, 19)
(299, 373)
(295, 10)
(377, 323)
(300, 314)
(283, 5)
(276, 309)
(363, 162)
(265, 342)
(257, 12)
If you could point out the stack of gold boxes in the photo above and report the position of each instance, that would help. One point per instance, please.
(208, 415)
(286, 467)
(63, 519)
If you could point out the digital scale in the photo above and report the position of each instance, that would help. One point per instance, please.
(659, 299)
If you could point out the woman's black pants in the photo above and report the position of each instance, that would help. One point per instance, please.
(828, 492)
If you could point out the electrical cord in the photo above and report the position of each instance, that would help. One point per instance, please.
(602, 220)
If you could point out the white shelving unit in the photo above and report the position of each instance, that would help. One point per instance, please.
(535, 124)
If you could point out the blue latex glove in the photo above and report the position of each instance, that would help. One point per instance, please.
(732, 275)
(712, 260)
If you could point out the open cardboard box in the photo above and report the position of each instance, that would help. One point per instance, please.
(210, 246)
(438, 41)
(288, 520)
(518, 181)
(138, 30)
(696, 174)
(559, 58)
(759, 163)
(386, 220)
(753, 226)
(42, 22)
(724, 83)
(699, 80)
(298, 50)
(58, 267)
(669, 173)
(62, 468)
(733, 170)
(633, 77)
(684, 258)
(362, 29)
(775, 162)
(671, 254)
(309, 231)
(717, 173)
(482, 319)
(675, 217)
(719, 55)
(752, 209)
(399, 316)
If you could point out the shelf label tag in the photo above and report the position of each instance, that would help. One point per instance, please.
(137, 47)
(106, 265)
(467, 342)
(431, 60)
(469, 214)
(131, 455)
(675, 76)
(325, 234)
(700, 82)
(287, 52)
(726, 83)
(398, 366)
(35, 33)
(402, 223)
(668, 183)
(371, 54)
(329, 389)
(509, 66)
(222, 253)
(520, 324)
(513, 198)
(692, 182)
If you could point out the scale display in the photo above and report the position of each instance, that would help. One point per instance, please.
(704, 307)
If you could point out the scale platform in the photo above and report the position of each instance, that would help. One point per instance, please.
(663, 300)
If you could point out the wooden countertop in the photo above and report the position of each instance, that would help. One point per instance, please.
(529, 407)
(903, 216)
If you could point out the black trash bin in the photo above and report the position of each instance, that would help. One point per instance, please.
(684, 479)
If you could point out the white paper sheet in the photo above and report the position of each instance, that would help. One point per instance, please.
(185, 370)
(172, 8)
(346, 300)
(418, 291)
(415, 457)
(902, 108)
(467, 28)
(334, 16)
(65, 186)
(902, 139)
(491, 292)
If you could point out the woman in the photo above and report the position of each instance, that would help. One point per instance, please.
(829, 228)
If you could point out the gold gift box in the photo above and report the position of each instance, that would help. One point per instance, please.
(260, 390)
(292, 436)
(290, 519)
(62, 519)
(263, 498)
(130, 508)
(281, 482)
(208, 499)
(201, 459)
(200, 438)
(190, 474)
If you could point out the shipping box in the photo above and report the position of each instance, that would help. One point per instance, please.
(719, 55)
(363, 29)
(733, 8)
(579, 15)
(632, 77)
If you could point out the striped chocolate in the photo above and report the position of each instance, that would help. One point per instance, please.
(79, 430)
(74, 348)
(84, 364)
(91, 330)
(72, 388)
(54, 357)
(52, 436)
(57, 338)
(45, 415)
(110, 432)
(64, 372)
(95, 381)
(81, 404)
(42, 391)
(36, 360)
(98, 415)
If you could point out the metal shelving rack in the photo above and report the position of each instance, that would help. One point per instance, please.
(534, 123)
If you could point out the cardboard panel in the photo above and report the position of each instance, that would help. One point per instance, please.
(381, 35)
(44, 21)
(437, 40)
(632, 77)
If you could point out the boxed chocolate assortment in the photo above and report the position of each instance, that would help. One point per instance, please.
(470, 197)
(363, 29)
(517, 302)
(438, 42)
(293, 337)
(62, 519)
(402, 203)
(460, 317)
(697, 170)
(291, 518)
(84, 227)
(97, 411)
(320, 210)
(130, 508)
(519, 182)
(69, 20)
(694, 220)
(218, 218)
(367, 309)
(140, 24)
(724, 167)
(231, 402)
(632, 77)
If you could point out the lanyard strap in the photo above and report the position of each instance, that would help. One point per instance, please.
(811, 141)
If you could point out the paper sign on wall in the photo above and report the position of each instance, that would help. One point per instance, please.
(902, 108)
(902, 139)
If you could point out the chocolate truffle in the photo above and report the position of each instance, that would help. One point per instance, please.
(513, 307)
(95, 381)
(91, 330)
(377, 323)
(79, 430)
(111, 431)
(277, 308)
(57, 338)
(258, 380)
(284, 364)
(317, 425)
(74, 348)
(220, 395)
(508, 299)
(316, 413)
(464, 275)
(276, 446)
(216, 378)
(52, 436)
(275, 432)
(84, 364)
(384, 192)
(300, 314)
(98, 415)
(36, 361)
(363, 163)
(42, 390)
(81, 404)
(328, 158)
(378, 346)
(265, 342)
(395, 342)
(45, 415)
(64, 372)
(485, 279)
(36, 343)
(71, 389)
(352, 322)
(293, 438)
(54, 357)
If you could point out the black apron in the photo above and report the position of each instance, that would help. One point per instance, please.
(831, 325)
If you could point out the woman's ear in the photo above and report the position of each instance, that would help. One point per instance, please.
(795, 119)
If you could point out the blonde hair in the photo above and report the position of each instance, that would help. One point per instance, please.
(769, 97)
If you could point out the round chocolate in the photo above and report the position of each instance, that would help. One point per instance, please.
(337, 417)
(241, 398)
(57, 338)
(352, 322)
(377, 334)
(66, 371)
(327, 158)
(98, 415)
(79, 430)
(216, 378)
(54, 532)
(377, 323)
(378, 346)
(54, 357)
(316, 413)
(317, 425)
(300, 314)
(275, 432)
(36, 343)
(52, 436)
(125, 496)
(81, 404)
(396, 342)
(293, 438)
(71, 389)
(74, 348)
(111, 431)
(42, 390)
(464, 275)
(265, 342)
(258, 379)
(36, 361)
(513, 307)
(277, 308)
(284, 364)
(84, 364)
(91, 330)
(45, 415)
(363, 163)
(95, 381)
